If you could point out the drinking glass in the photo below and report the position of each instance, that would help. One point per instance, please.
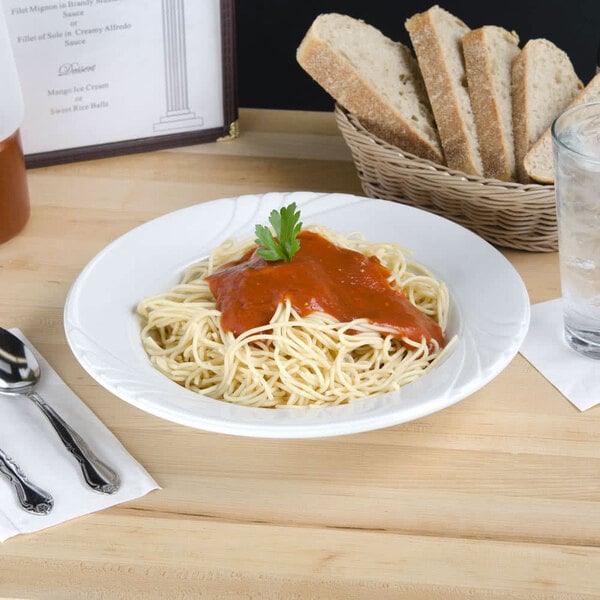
(576, 143)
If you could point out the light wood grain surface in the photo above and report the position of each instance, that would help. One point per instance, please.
(495, 497)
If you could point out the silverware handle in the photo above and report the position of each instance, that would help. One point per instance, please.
(98, 475)
(31, 497)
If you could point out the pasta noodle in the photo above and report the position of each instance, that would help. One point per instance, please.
(293, 360)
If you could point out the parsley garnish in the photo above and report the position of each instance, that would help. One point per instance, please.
(286, 224)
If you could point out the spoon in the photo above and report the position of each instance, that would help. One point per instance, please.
(19, 373)
(31, 497)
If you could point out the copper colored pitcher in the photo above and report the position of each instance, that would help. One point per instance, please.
(14, 194)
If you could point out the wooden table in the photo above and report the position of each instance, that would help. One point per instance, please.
(495, 497)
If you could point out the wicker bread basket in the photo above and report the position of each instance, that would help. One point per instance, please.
(512, 215)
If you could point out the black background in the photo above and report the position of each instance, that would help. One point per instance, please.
(269, 31)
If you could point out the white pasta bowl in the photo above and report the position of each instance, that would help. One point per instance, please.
(489, 311)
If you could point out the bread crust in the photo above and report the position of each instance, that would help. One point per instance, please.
(494, 125)
(452, 114)
(519, 96)
(346, 85)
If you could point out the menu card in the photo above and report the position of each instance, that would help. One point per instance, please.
(107, 76)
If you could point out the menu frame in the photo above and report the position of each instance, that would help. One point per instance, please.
(228, 129)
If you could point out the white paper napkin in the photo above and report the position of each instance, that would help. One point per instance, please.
(577, 377)
(28, 438)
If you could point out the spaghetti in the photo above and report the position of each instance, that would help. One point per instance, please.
(298, 355)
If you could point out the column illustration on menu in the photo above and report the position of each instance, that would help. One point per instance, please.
(178, 114)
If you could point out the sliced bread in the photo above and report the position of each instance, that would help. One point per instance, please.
(436, 38)
(373, 77)
(544, 83)
(489, 52)
(539, 161)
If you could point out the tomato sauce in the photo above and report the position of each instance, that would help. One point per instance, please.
(321, 277)
(14, 195)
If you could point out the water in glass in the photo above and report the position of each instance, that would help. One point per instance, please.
(576, 136)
